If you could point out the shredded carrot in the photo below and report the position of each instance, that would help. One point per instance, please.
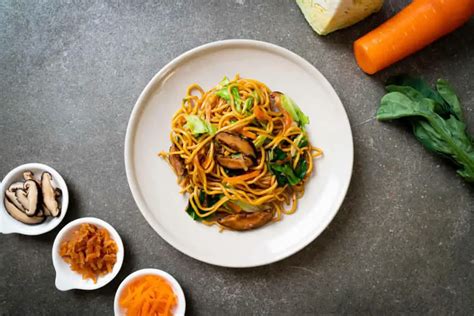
(417, 25)
(148, 295)
(90, 251)
(248, 134)
(288, 120)
(234, 207)
(261, 114)
(246, 176)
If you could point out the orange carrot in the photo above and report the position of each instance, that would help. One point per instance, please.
(416, 26)
(234, 207)
(261, 114)
(248, 134)
(148, 295)
(288, 120)
(246, 176)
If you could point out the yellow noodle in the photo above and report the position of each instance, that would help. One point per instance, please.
(203, 174)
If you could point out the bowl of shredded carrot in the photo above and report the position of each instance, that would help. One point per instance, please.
(149, 292)
(87, 254)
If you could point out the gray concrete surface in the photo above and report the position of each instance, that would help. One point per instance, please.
(70, 72)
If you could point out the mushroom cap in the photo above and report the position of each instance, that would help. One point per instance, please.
(237, 143)
(177, 162)
(49, 194)
(11, 196)
(20, 216)
(33, 196)
(246, 221)
(241, 162)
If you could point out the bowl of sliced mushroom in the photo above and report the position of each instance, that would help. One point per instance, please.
(34, 200)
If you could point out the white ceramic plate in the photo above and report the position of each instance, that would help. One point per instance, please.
(153, 183)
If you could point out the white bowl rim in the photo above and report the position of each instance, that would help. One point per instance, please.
(135, 115)
(101, 281)
(48, 224)
(181, 305)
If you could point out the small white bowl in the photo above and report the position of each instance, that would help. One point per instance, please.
(181, 302)
(8, 224)
(66, 279)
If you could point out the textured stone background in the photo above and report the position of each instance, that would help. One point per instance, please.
(70, 72)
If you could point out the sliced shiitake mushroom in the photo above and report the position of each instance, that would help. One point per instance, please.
(15, 186)
(28, 175)
(275, 100)
(45, 210)
(236, 143)
(177, 162)
(234, 162)
(33, 196)
(49, 194)
(40, 212)
(19, 215)
(246, 221)
(22, 197)
(11, 196)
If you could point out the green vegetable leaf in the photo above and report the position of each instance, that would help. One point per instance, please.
(224, 94)
(246, 206)
(301, 141)
(248, 104)
(277, 154)
(237, 101)
(295, 112)
(224, 82)
(199, 126)
(223, 90)
(284, 174)
(205, 200)
(448, 94)
(418, 84)
(255, 96)
(424, 89)
(408, 91)
(259, 141)
(442, 132)
(301, 169)
(395, 105)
